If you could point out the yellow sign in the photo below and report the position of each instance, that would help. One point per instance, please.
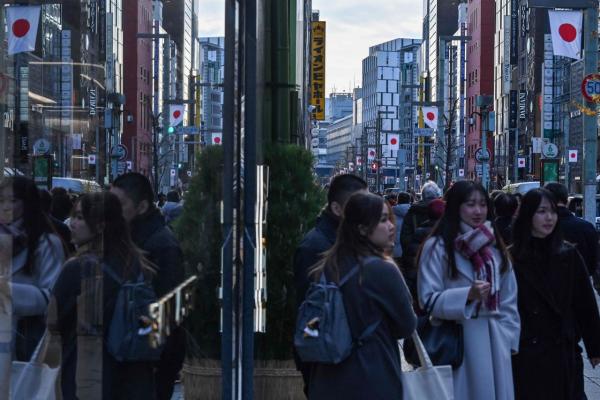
(317, 74)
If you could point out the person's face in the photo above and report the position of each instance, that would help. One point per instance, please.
(383, 235)
(473, 212)
(11, 207)
(130, 209)
(544, 220)
(80, 230)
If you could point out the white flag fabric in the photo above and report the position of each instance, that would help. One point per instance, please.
(175, 114)
(430, 116)
(22, 25)
(393, 141)
(217, 139)
(358, 161)
(573, 156)
(566, 28)
(371, 154)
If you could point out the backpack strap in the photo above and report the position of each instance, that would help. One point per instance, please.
(349, 275)
(109, 271)
(366, 333)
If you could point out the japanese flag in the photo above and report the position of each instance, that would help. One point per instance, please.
(393, 141)
(566, 33)
(430, 116)
(217, 139)
(358, 161)
(371, 154)
(573, 156)
(22, 25)
(521, 162)
(175, 114)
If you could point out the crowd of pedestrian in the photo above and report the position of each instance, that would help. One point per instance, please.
(512, 273)
(56, 242)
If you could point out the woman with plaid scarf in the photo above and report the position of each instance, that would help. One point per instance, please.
(465, 272)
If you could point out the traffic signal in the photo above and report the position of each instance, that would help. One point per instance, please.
(374, 167)
(171, 130)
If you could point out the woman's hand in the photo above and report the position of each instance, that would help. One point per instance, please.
(479, 291)
(595, 361)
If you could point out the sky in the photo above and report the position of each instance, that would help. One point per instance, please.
(352, 27)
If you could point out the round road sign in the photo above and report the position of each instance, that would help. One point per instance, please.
(590, 87)
(119, 152)
(482, 156)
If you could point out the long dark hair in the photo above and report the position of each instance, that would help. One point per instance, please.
(103, 215)
(361, 212)
(35, 222)
(522, 238)
(448, 227)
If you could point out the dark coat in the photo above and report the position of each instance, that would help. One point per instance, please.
(581, 233)
(409, 259)
(557, 307)
(373, 370)
(120, 380)
(151, 234)
(310, 251)
(416, 215)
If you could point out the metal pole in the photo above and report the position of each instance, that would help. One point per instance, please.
(590, 121)
(516, 157)
(378, 151)
(566, 128)
(250, 194)
(484, 148)
(227, 342)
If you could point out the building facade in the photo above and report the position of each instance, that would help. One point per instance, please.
(212, 65)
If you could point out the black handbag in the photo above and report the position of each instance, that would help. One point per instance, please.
(443, 340)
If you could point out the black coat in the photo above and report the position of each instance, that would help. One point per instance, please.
(504, 227)
(409, 256)
(151, 234)
(557, 307)
(373, 370)
(417, 214)
(581, 233)
(310, 251)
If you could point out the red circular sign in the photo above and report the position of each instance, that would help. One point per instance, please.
(567, 32)
(590, 87)
(21, 27)
(430, 116)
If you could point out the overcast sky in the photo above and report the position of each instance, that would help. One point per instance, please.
(352, 27)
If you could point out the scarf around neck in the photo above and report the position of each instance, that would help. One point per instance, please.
(476, 245)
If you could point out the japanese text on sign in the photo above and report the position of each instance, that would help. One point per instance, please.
(317, 78)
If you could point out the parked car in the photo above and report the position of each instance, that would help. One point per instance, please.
(521, 187)
(76, 186)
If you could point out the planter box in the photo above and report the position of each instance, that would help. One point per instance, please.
(273, 380)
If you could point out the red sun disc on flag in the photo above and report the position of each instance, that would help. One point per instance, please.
(176, 114)
(217, 140)
(573, 155)
(430, 116)
(567, 32)
(394, 141)
(371, 153)
(21, 27)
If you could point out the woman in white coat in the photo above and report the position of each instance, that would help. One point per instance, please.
(464, 265)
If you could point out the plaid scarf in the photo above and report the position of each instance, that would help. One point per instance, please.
(475, 245)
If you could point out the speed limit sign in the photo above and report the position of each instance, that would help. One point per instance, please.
(590, 87)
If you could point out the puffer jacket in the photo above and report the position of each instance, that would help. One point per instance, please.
(400, 212)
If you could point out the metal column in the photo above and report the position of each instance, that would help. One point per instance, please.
(590, 127)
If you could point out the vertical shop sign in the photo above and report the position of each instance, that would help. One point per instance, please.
(317, 78)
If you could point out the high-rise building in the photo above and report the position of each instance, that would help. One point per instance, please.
(340, 105)
(480, 74)
(440, 18)
(138, 85)
(390, 76)
(212, 65)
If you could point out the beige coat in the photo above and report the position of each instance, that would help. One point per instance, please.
(489, 339)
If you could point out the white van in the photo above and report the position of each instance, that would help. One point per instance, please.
(77, 186)
(521, 187)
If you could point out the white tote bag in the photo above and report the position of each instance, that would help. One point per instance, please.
(34, 380)
(428, 382)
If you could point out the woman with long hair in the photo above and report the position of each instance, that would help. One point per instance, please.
(556, 302)
(102, 239)
(374, 296)
(466, 276)
(36, 256)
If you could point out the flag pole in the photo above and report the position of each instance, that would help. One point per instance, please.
(590, 129)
